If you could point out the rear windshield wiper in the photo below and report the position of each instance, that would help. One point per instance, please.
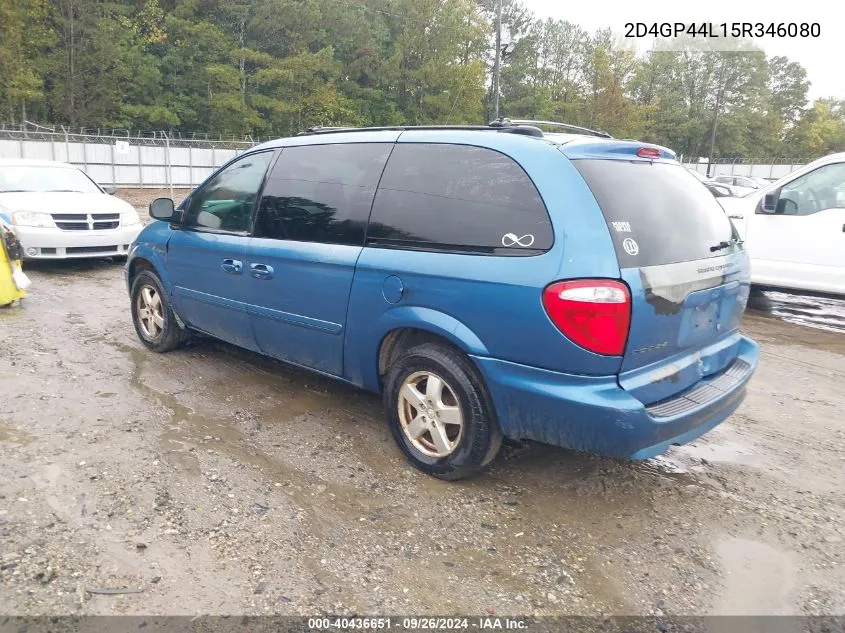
(723, 245)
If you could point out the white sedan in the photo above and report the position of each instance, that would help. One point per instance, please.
(741, 185)
(59, 212)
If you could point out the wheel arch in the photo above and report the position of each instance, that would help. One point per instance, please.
(146, 258)
(408, 327)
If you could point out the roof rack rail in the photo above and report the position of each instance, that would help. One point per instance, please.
(566, 126)
(501, 125)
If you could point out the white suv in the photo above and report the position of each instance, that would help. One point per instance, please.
(59, 212)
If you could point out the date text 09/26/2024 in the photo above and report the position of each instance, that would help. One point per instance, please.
(417, 623)
(723, 29)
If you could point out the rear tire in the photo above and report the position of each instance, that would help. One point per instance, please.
(440, 413)
(154, 321)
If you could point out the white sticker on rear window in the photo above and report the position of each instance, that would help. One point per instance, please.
(621, 227)
(630, 246)
(512, 239)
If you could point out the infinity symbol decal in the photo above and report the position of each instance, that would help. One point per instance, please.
(510, 239)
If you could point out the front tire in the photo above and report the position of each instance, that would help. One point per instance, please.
(154, 321)
(440, 413)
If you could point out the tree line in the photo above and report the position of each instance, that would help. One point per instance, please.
(276, 67)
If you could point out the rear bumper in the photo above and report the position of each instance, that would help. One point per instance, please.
(594, 414)
(41, 243)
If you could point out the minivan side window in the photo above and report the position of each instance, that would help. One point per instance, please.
(321, 193)
(225, 202)
(458, 198)
(822, 188)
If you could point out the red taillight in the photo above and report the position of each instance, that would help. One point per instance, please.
(648, 152)
(594, 313)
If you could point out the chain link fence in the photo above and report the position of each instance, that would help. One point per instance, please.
(125, 158)
(165, 159)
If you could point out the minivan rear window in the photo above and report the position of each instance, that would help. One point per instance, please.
(658, 213)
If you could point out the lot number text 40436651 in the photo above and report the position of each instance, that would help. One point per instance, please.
(723, 29)
(416, 623)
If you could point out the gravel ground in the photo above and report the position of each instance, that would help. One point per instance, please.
(141, 198)
(211, 480)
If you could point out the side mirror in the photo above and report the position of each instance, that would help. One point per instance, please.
(110, 190)
(769, 203)
(162, 209)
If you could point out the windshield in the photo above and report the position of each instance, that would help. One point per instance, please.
(43, 179)
(658, 213)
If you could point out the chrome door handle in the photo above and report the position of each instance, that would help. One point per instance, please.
(261, 271)
(232, 266)
(736, 217)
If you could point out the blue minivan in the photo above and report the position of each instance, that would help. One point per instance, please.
(491, 282)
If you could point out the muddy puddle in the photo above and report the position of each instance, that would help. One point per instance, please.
(13, 435)
(759, 578)
(191, 431)
(816, 311)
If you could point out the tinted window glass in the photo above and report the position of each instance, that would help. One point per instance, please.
(459, 198)
(823, 188)
(321, 193)
(226, 201)
(658, 213)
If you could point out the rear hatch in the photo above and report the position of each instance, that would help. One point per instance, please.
(684, 264)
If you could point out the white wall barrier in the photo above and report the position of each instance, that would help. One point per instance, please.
(125, 164)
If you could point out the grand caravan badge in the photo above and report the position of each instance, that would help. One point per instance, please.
(511, 239)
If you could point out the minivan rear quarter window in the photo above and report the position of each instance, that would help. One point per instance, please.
(657, 213)
(458, 198)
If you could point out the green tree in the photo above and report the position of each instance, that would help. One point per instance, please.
(24, 40)
(436, 70)
(276, 66)
(820, 131)
(788, 86)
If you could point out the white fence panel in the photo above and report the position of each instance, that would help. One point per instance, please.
(76, 153)
(10, 149)
(155, 176)
(127, 175)
(37, 151)
(154, 162)
(181, 177)
(746, 169)
(205, 157)
(201, 173)
(153, 155)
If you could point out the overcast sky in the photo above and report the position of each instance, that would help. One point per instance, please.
(822, 57)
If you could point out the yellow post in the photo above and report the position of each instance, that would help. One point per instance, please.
(9, 291)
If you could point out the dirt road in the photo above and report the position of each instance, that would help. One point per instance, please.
(215, 481)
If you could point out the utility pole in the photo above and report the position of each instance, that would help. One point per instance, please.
(713, 133)
(497, 65)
